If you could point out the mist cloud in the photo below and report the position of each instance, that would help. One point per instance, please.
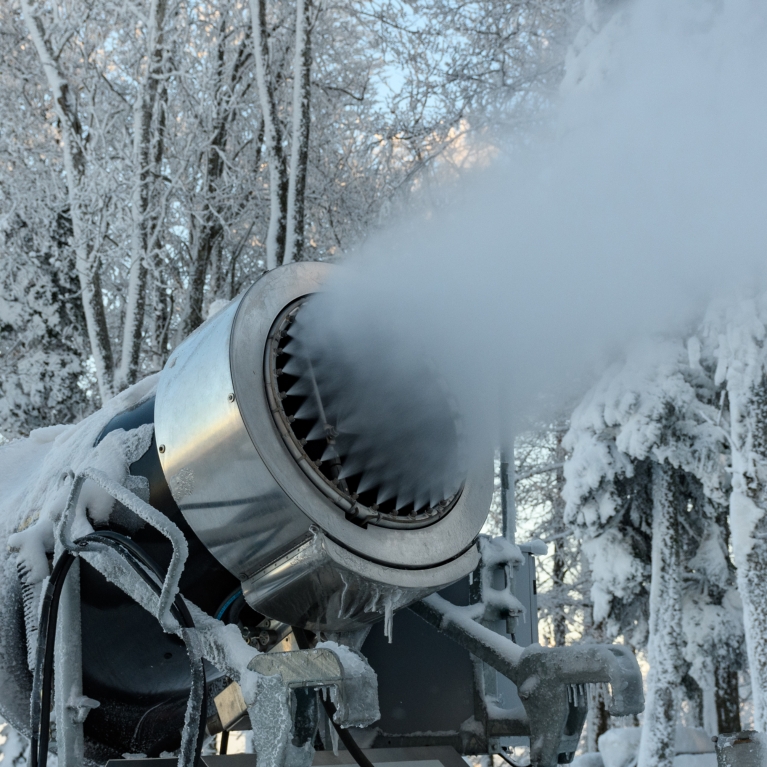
(649, 200)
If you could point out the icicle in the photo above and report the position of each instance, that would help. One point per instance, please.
(389, 617)
(334, 738)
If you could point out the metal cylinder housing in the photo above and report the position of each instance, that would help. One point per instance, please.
(303, 551)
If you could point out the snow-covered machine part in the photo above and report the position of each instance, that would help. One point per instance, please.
(475, 677)
(741, 749)
(260, 458)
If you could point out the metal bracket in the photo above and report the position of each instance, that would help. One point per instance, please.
(144, 511)
(281, 715)
(549, 680)
(70, 718)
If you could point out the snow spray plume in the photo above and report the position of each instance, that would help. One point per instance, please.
(650, 200)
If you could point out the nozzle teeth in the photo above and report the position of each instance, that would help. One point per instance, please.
(330, 452)
(386, 493)
(368, 481)
(351, 467)
(403, 499)
(302, 387)
(295, 348)
(295, 366)
(334, 408)
(307, 410)
(317, 432)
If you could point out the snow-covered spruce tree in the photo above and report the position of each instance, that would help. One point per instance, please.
(736, 334)
(649, 423)
(712, 616)
(664, 653)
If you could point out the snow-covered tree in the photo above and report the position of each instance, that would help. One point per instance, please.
(192, 147)
(563, 598)
(735, 334)
(645, 471)
(42, 330)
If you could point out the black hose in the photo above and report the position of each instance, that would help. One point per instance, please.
(43, 676)
(42, 684)
(227, 604)
(224, 742)
(508, 760)
(302, 640)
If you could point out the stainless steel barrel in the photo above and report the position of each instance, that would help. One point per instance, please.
(305, 551)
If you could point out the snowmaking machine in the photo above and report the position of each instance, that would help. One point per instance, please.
(210, 552)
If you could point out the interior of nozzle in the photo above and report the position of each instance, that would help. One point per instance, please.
(391, 450)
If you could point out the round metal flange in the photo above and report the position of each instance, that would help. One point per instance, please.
(440, 541)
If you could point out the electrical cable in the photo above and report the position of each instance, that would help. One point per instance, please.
(42, 684)
(302, 640)
(42, 680)
(227, 603)
(508, 760)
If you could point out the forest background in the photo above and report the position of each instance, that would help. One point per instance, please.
(157, 156)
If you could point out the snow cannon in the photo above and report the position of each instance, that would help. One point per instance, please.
(244, 485)
(258, 459)
(224, 547)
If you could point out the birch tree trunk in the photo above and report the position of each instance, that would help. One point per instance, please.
(656, 748)
(302, 72)
(87, 261)
(147, 156)
(598, 722)
(208, 236)
(275, 155)
(748, 416)
(598, 719)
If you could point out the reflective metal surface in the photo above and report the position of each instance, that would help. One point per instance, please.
(216, 476)
(305, 668)
(247, 498)
(320, 584)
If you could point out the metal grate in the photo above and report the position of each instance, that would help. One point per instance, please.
(344, 463)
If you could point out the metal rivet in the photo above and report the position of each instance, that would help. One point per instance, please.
(161, 448)
(231, 397)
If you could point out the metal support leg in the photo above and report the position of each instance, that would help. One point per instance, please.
(69, 709)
